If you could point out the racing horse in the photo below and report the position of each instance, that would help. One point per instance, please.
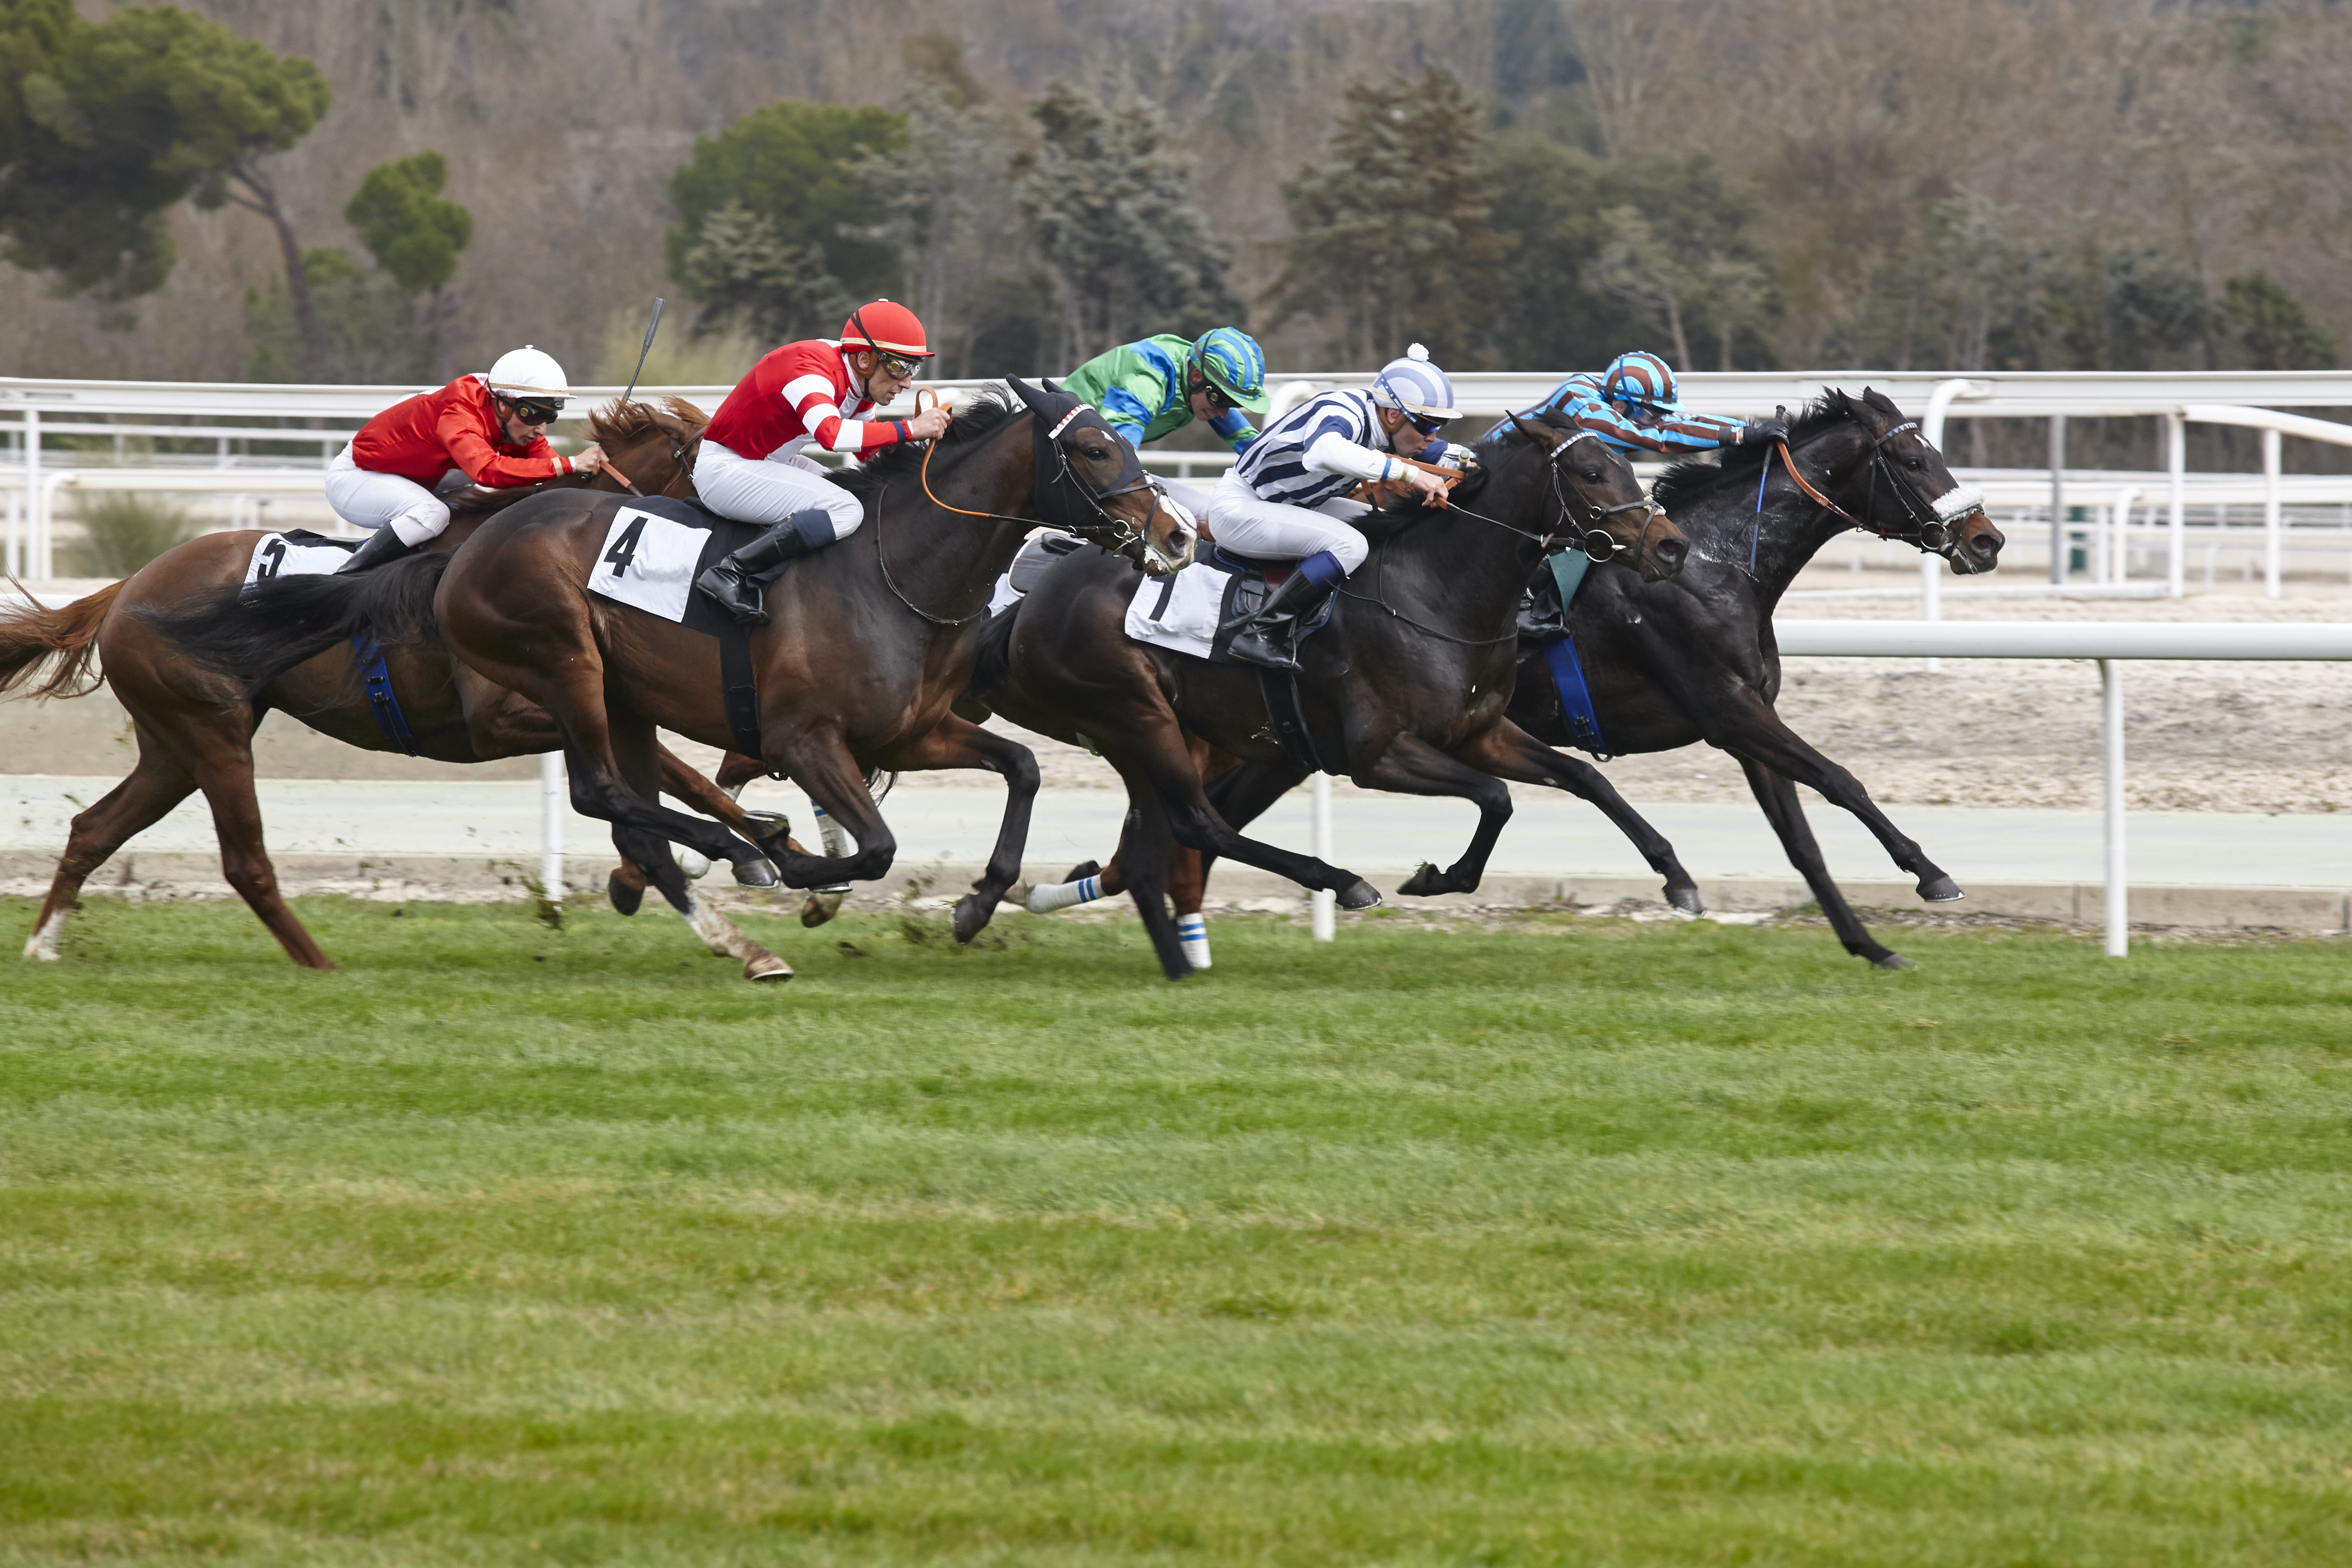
(195, 725)
(1671, 663)
(1404, 690)
(870, 643)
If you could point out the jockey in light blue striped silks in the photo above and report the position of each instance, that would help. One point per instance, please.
(1633, 405)
(1285, 500)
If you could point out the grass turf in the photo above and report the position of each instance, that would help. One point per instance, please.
(1569, 1242)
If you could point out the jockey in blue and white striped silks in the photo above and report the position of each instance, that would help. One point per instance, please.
(1635, 407)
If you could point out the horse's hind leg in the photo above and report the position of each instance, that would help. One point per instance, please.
(1778, 797)
(637, 756)
(156, 784)
(1510, 753)
(222, 764)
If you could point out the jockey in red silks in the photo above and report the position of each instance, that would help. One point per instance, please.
(489, 430)
(750, 466)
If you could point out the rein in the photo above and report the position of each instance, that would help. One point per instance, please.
(1935, 533)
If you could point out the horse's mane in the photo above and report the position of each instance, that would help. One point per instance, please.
(1686, 481)
(1389, 519)
(617, 421)
(973, 421)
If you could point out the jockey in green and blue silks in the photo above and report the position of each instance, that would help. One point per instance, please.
(1153, 388)
(1633, 405)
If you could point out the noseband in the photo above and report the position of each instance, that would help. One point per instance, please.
(1598, 542)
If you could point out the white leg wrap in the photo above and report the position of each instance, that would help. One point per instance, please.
(836, 839)
(693, 862)
(43, 943)
(1192, 931)
(1045, 900)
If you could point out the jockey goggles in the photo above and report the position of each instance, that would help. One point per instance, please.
(1428, 425)
(534, 412)
(893, 364)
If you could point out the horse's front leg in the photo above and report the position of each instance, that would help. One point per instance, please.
(1411, 765)
(821, 764)
(1510, 753)
(1747, 728)
(957, 742)
(1778, 797)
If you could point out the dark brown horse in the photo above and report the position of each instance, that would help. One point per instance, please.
(871, 639)
(1404, 690)
(1671, 663)
(194, 726)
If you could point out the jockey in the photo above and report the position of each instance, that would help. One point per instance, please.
(489, 429)
(750, 466)
(1632, 406)
(1144, 396)
(1285, 499)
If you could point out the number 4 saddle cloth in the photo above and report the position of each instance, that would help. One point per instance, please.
(655, 548)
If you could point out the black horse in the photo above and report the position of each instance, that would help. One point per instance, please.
(1404, 690)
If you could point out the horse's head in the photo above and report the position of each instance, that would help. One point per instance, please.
(1600, 501)
(1090, 482)
(650, 443)
(1923, 504)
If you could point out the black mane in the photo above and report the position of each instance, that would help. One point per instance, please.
(1684, 482)
(1380, 524)
(973, 421)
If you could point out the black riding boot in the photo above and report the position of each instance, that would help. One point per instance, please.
(739, 581)
(1269, 636)
(380, 546)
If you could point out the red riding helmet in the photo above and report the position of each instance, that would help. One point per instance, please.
(887, 326)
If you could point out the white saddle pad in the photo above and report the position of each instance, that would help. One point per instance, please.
(1180, 613)
(275, 555)
(649, 562)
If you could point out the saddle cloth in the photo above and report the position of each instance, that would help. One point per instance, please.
(655, 548)
(1182, 613)
(296, 552)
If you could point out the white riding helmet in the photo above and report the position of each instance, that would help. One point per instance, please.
(1415, 385)
(529, 372)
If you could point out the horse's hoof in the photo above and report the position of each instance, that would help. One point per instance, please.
(755, 874)
(768, 828)
(972, 913)
(821, 906)
(1422, 884)
(1684, 899)
(694, 863)
(1893, 961)
(1940, 890)
(767, 967)
(1084, 869)
(625, 899)
(1361, 896)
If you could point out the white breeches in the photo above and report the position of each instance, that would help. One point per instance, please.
(370, 499)
(768, 490)
(1272, 531)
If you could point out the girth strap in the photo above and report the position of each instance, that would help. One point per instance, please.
(376, 680)
(1575, 696)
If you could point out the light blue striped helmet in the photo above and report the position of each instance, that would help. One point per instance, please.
(1230, 360)
(1643, 380)
(1415, 385)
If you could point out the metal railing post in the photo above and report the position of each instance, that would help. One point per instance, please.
(32, 547)
(2273, 522)
(552, 799)
(2111, 748)
(2058, 545)
(2175, 450)
(1325, 901)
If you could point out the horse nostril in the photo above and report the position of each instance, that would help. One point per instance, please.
(1671, 550)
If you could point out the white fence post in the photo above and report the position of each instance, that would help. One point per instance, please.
(2273, 522)
(28, 558)
(2111, 748)
(1325, 901)
(2058, 499)
(2175, 437)
(551, 798)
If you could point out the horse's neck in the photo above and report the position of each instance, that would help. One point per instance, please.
(1473, 562)
(947, 560)
(1771, 547)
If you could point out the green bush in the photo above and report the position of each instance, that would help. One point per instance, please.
(122, 531)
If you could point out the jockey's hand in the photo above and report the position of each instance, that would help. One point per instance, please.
(589, 461)
(1430, 487)
(1757, 431)
(928, 426)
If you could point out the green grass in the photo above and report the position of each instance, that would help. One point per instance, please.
(1572, 1242)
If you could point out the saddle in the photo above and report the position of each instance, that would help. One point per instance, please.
(1253, 582)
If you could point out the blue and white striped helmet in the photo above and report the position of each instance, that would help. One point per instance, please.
(1643, 380)
(1415, 385)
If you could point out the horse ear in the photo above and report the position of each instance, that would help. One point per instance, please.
(1028, 393)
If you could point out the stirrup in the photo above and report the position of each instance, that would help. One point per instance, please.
(1257, 646)
(735, 593)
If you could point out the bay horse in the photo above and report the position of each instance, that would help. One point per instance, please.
(1672, 663)
(1404, 690)
(870, 643)
(195, 725)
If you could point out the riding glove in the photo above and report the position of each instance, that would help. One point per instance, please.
(1763, 430)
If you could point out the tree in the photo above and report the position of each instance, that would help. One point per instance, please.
(2278, 333)
(1111, 213)
(414, 232)
(774, 226)
(112, 124)
(1390, 236)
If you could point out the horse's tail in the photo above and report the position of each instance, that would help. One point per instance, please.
(256, 633)
(995, 660)
(66, 639)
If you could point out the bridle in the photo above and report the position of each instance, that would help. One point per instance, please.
(1595, 540)
(1931, 520)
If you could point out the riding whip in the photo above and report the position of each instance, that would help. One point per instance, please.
(651, 328)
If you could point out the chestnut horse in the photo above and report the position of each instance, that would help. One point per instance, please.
(194, 726)
(870, 643)
(1404, 690)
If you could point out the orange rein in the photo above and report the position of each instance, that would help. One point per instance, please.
(932, 447)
